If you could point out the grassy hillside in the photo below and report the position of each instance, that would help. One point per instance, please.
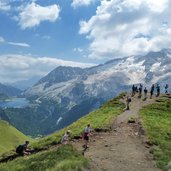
(101, 118)
(65, 157)
(10, 137)
(156, 119)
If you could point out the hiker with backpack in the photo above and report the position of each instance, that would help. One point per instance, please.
(158, 90)
(145, 93)
(152, 91)
(23, 149)
(133, 90)
(65, 138)
(128, 101)
(166, 87)
(86, 136)
(140, 90)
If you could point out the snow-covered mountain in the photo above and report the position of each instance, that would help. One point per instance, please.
(104, 80)
(78, 91)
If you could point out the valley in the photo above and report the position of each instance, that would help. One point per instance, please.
(125, 141)
(68, 93)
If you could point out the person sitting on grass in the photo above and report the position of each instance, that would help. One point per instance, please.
(65, 138)
(23, 149)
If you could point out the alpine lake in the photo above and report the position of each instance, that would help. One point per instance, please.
(14, 103)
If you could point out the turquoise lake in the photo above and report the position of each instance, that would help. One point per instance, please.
(15, 103)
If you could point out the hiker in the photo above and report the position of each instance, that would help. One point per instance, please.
(65, 138)
(152, 91)
(23, 150)
(128, 100)
(158, 90)
(133, 90)
(166, 87)
(145, 93)
(140, 90)
(86, 135)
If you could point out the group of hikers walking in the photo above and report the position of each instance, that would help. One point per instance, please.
(139, 89)
(87, 132)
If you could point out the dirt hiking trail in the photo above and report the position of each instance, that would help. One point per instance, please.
(123, 148)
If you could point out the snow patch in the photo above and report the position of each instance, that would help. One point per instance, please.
(59, 120)
(155, 67)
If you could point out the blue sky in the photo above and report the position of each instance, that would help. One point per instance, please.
(56, 38)
(36, 36)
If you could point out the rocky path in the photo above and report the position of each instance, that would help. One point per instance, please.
(135, 106)
(121, 149)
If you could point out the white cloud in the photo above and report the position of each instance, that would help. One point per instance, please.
(78, 3)
(33, 14)
(19, 44)
(121, 28)
(4, 5)
(78, 50)
(2, 40)
(22, 67)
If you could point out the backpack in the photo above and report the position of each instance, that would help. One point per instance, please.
(19, 149)
(129, 100)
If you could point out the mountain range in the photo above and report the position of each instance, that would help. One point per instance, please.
(25, 84)
(104, 80)
(9, 90)
(75, 91)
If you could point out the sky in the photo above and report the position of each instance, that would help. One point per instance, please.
(36, 36)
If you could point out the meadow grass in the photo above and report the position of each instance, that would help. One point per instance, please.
(101, 118)
(156, 119)
(64, 158)
(10, 137)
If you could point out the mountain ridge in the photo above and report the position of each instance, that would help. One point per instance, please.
(96, 84)
(121, 65)
(9, 90)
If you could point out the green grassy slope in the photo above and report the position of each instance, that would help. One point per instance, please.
(101, 118)
(156, 119)
(10, 137)
(65, 157)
